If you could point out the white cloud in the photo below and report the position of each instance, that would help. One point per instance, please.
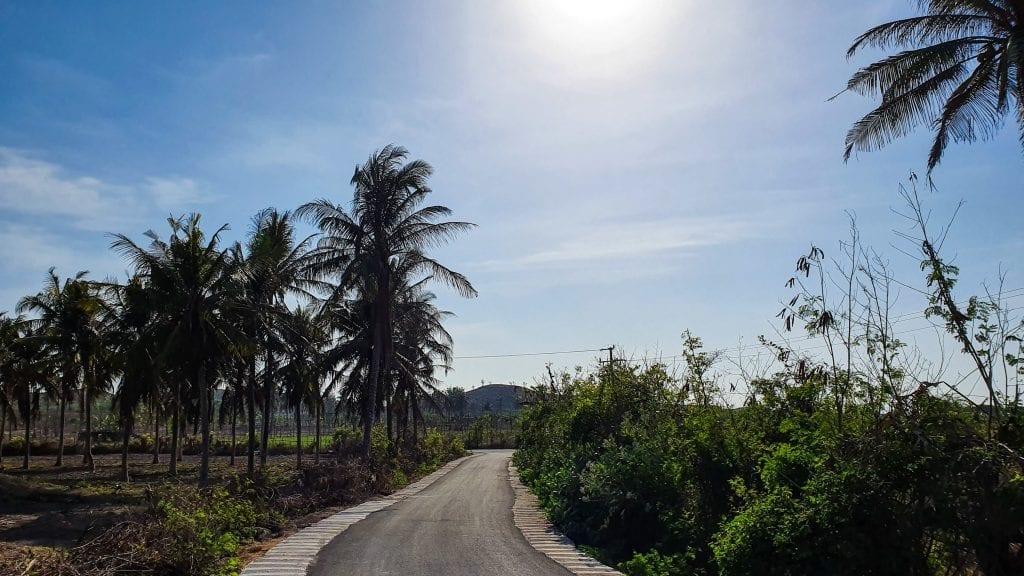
(38, 188)
(587, 243)
(34, 187)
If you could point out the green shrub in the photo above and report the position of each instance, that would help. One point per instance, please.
(204, 531)
(456, 448)
(662, 481)
(653, 563)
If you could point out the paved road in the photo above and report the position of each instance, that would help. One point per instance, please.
(460, 526)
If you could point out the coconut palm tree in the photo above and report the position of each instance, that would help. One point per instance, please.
(387, 220)
(68, 323)
(9, 336)
(28, 374)
(192, 282)
(275, 267)
(129, 311)
(962, 72)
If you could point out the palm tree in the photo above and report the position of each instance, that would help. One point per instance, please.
(275, 266)
(67, 323)
(28, 374)
(961, 73)
(130, 310)
(9, 335)
(193, 284)
(386, 221)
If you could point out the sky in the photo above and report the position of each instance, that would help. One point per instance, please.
(635, 169)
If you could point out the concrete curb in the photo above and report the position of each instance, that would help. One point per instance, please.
(295, 554)
(545, 538)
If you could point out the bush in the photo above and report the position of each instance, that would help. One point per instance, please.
(663, 482)
(204, 533)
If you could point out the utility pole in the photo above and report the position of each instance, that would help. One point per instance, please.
(610, 349)
(611, 374)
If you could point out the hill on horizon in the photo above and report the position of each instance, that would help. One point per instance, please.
(501, 398)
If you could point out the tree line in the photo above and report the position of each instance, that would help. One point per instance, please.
(863, 458)
(345, 311)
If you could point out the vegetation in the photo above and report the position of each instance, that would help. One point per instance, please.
(848, 463)
(961, 74)
(196, 315)
(345, 315)
(170, 526)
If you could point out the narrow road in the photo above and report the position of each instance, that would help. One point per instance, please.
(459, 526)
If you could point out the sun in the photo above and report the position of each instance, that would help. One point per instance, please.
(602, 35)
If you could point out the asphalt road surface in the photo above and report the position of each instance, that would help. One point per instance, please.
(461, 525)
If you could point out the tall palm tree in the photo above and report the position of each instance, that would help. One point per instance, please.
(961, 73)
(128, 313)
(9, 335)
(387, 220)
(28, 374)
(193, 283)
(68, 321)
(275, 266)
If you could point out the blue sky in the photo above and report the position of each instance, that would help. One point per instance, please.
(635, 168)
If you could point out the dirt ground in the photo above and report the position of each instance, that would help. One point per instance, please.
(61, 507)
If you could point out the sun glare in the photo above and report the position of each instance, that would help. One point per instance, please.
(596, 36)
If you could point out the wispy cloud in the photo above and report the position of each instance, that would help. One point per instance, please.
(35, 187)
(590, 243)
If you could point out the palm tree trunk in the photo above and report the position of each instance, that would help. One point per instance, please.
(370, 397)
(156, 432)
(87, 396)
(252, 418)
(28, 428)
(60, 434)
(415, 420)
(390, 409)
(127, 432)
(3, 424)
(268, 404)
(234, 433)
(316, 441)
(204, 415)
(175, 428)
(298, 435)
(380, 325)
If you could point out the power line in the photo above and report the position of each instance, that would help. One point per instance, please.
(528, 354)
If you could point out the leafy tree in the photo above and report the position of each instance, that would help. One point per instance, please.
(130, 310)
(386, 221)
(274, 267)
(68, 323)
(9, 334)
(961, 73)
(192, 281)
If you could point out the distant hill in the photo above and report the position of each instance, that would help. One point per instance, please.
(501, 398)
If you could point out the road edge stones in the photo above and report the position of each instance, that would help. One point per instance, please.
(294, 555)
(544, 537)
